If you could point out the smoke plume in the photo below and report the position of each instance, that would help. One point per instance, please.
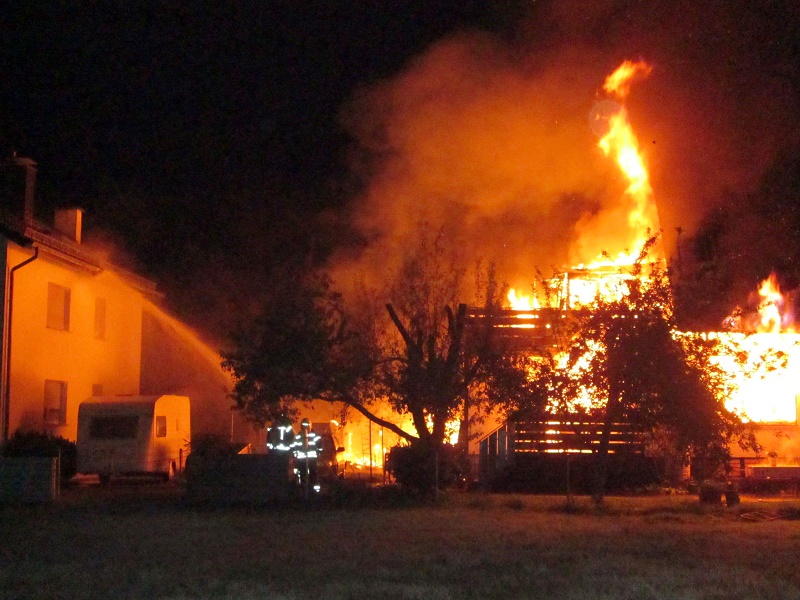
(490, 138)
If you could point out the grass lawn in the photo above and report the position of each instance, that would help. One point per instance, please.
(146, 545)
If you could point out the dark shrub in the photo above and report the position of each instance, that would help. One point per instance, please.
(420, 468)
(711, 492)
(549, 473)
(214, 445)
(33, 443)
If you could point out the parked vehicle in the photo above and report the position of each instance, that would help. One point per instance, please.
(133, 435)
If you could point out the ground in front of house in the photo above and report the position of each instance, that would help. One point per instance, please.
(138, 540)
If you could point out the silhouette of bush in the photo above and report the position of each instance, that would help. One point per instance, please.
(214, 445)
(420, 468)
(35, 444)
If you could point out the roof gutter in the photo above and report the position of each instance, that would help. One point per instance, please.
(7, 390)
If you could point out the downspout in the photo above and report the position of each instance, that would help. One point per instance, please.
(7, 391)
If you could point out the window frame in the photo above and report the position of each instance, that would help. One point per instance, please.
(58, 317)
(52, 387)
(161, 426)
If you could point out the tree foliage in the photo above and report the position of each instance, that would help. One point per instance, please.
(300, 347)
(628, 358)
(421, 352)
(444, 364)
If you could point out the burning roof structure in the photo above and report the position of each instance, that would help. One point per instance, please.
(765, 392)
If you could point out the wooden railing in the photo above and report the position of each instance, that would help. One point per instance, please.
(574, 436)
(558, 436)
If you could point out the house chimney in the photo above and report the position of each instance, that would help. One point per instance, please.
(69, 221)
(18, 188)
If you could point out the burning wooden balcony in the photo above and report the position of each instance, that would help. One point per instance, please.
(522, 330)
(559, 435)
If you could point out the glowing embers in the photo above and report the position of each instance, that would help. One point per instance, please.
(521, 320)
(370, 453)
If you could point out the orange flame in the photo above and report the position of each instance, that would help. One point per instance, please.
(767, 393)
(619, 82)
(620, 142)
(763, 393)
(773, 314)
(520, 301)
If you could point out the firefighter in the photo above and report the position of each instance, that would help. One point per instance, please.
(306, 449)
(280, 438)
(280, 435)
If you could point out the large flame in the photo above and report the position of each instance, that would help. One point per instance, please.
(621, 143)
(519, 301)
(619, 82)
(768, 393)
(765, 391)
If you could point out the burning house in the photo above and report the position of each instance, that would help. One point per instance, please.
(469, 139)
(767, 395)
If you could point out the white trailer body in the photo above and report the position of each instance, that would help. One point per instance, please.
(129, 435)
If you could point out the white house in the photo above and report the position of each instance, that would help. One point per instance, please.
(76, 326)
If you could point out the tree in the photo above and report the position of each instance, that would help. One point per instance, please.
(302, 346)
(627, 356)
(421, 354)
(443, 365)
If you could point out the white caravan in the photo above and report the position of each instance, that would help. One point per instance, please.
(131, 435)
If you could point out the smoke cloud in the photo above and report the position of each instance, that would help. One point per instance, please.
(491, 139)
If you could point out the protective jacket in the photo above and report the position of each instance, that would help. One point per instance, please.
(306, 444)
(280, 437)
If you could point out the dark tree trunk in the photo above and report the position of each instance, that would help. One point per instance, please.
(601, 463)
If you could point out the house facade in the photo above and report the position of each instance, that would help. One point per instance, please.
(75, 326)
(72, 321)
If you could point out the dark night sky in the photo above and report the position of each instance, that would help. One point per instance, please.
(173, 98)
(206, 138)
(192, 131)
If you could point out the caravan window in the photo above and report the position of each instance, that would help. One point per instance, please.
(161, 426)
(114, 428)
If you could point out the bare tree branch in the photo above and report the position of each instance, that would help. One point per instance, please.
(400, 327)
(374, 418)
